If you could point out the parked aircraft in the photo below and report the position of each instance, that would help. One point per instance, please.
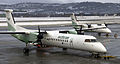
(52, 38)
(99, 28)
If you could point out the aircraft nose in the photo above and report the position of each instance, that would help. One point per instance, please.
(109, 31)
(100, 48)
(103, 50)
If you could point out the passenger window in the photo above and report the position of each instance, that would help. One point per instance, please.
(67, 40)
(87, 40)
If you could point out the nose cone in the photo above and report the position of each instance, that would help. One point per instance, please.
(103, 49)
(100, 48)
(105, 30)
(108, 30)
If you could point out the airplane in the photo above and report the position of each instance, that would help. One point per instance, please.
(52, 38)
(99, 28)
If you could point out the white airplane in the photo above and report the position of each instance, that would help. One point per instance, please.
(52, 38)
(99, 28)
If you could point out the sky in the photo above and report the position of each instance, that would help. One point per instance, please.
(56, 1)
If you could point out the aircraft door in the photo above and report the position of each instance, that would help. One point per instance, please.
(71, 43)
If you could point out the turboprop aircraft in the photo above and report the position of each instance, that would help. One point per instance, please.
(99, 28)
(52, 38)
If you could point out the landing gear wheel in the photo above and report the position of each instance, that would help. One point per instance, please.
(106, 58)
(97, 56)
(26, 51)
(64, 49)
(99, 34)
(107, 34)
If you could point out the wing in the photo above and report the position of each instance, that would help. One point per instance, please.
(22, 32)
(12, 32)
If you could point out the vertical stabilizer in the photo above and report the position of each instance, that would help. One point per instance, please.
(10, 20)
(74, 21)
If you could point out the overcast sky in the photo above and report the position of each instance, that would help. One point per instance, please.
(56, 1)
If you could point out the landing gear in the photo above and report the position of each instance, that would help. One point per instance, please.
(99, 34)
(26, 50)
(107, 34)
(96, 55)
(106, 58)
(64, 50)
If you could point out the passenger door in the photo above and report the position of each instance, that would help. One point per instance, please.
(71, 43)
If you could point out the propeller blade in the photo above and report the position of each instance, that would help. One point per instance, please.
(39, 29)
(39, 37)
(79, 31)
(106, 25)
(81, 28)
(89, 26)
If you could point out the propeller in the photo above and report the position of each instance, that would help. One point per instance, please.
(39, 36)
(106, 25)
(89, 25)
(79, 31)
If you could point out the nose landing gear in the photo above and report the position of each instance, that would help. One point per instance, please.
(95, 55)
(26, 51)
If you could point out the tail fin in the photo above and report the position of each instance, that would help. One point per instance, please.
(10, 20)
(74, 21)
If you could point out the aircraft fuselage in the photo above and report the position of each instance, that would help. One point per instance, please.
(71, 41)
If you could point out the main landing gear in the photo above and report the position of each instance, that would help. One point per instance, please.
(107, 34)
(99, 34)
(64, 49)
(26, 50)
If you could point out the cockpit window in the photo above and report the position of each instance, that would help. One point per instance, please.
(90, 40)
(87, 40)
(93, 40)
(99, 24)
